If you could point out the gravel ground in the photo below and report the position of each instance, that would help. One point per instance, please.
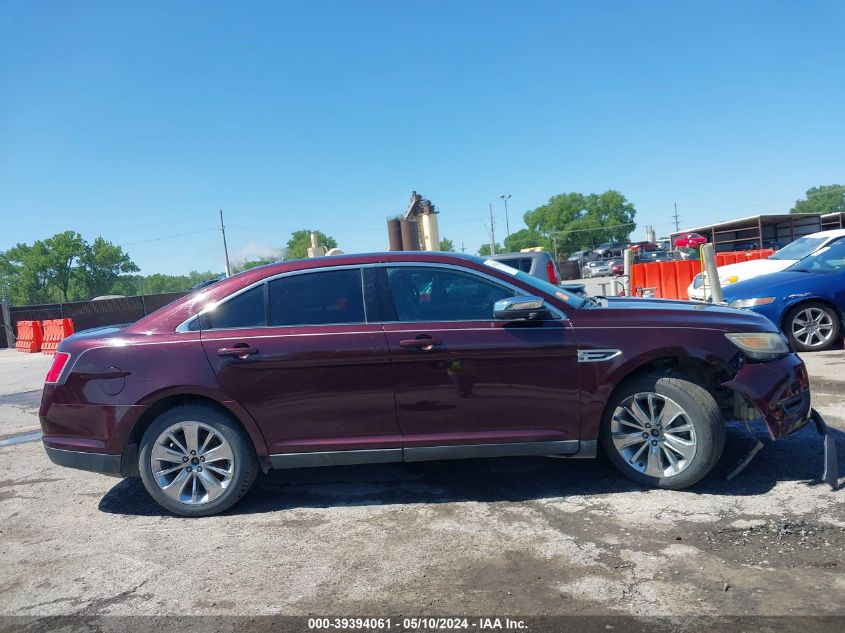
(504, 536)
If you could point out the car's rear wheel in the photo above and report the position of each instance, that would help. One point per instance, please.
(196, 461)
(663, 431)
(811, 326)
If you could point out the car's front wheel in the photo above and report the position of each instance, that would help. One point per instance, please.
(663, 431)
(812, 326)
(196, 461)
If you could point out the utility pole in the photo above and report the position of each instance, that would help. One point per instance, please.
(492, 232)
(463, 248)
(677, 223)
(225, 248)
(505, 197)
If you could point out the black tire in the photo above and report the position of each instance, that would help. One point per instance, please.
(701, 411)
(244, 463)
(789, 319)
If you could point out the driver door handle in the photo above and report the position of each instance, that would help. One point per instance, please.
(239, 351)
(425, 344)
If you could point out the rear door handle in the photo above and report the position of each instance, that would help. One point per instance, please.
(425, 344)
(239, 351)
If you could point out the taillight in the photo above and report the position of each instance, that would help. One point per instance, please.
(552, 273)
(60, 359)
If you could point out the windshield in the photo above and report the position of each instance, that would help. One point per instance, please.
(544, 286)
(830, 259)
(799, 249)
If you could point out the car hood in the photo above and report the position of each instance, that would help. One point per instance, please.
(754, 268)
(669, 313)
(776, 285)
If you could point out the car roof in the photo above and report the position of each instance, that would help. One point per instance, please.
(520, 254)
(830, 233)
(169, 316)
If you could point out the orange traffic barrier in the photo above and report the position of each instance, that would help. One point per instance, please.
(54, 331)
(724, 259)
(670, 280)
(29, 337)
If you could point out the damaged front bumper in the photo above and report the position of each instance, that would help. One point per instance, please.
(779, 393)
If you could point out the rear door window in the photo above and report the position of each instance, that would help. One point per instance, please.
(241, 311)
(319, 298)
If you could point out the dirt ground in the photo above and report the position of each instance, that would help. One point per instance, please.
(532, 536)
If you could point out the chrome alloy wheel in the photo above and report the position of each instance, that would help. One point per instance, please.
(653, 434)
(192, 463)
(812, 327)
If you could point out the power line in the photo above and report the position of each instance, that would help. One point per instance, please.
(168, 237)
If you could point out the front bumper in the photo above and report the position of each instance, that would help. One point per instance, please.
(779, 390)
(94, 462)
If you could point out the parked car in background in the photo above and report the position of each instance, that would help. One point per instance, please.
(806, 301)
(665, 244)
(699, 289)
(582, 257)
(409, 356)
(642, 247)
(206, 283)
(616, 267)
(539, 264)
(690, 240)
(596, 268)
(656, 256)
(609, 249)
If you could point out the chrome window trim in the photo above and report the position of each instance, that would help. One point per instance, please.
(182, 328)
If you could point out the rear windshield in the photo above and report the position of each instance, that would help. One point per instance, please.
(799, 249)
(544, 286)
(520, 263)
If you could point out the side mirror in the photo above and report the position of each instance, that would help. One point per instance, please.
(520, 309)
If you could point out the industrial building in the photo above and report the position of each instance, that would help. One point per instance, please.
(417, 229)
(763, 231)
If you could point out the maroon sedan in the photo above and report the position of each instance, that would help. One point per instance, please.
(407, 357)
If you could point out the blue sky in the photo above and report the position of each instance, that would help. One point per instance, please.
(137, 121)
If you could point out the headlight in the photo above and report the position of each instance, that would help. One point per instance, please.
(760, 345)
(726, 281)
(750, 303)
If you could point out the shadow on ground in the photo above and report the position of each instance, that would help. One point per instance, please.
(798, 457)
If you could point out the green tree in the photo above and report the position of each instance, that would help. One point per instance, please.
(253, 263)
(484, 251)
(574, 221)
(824, 199)
(63, 252)
(447, 245)
(526, 238)
(24, 271)
(101, 265)
(128, 285)
(159, 283)
(300, 242)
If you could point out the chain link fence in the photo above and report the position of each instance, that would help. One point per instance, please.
(86, 314)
